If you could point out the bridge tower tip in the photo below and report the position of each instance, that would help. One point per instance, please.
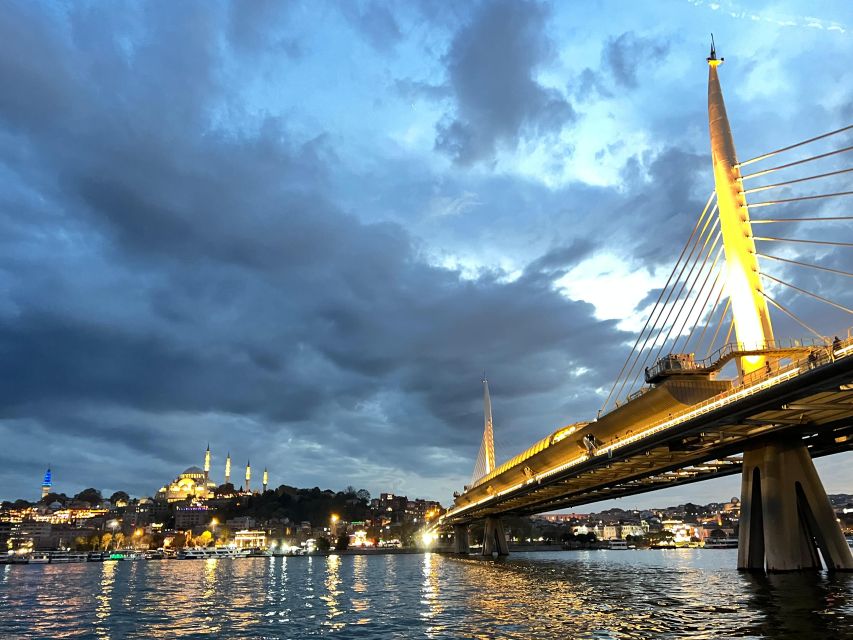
(712, 59)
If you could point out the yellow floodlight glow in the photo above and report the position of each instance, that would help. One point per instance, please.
(427, 537)
(749, 308)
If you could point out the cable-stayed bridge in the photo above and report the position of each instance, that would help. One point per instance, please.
(751, 403)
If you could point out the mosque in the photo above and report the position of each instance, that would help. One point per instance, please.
(195, 483)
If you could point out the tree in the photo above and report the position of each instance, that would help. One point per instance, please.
(323, 543)
(50, 498)
(119, 497)
(342, 543)
(106, 539)
(90, 495)
(118, 540)
(363, 495)
(80, 543)
(204, 539)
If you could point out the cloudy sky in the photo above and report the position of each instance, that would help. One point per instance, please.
(301, 231)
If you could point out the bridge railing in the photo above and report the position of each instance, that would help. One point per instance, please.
(818, 355)
(672, 362)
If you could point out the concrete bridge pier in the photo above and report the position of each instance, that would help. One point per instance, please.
(460, 538)
(785, 514)
(494, 538)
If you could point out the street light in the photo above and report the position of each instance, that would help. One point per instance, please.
(113, 524)
(213, 523)
(334, 525)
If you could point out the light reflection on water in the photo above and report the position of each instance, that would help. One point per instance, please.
(585, 594)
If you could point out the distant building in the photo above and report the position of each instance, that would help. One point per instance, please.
(47, 484)
(195, 483)
(191, 517)
(192, 483)
(247, 539)
(241, 522)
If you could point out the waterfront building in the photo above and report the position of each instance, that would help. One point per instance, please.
(250, 539)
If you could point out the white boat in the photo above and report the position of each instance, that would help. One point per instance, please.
(721, 543)
(617, 544)
(202, 553)
(39, 557)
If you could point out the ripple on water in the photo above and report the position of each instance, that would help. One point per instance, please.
(581, 594)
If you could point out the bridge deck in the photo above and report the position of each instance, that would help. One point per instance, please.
(811, 400)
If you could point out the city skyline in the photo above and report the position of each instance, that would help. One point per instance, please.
(206, 236)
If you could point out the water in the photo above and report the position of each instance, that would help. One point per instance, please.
(575, 594)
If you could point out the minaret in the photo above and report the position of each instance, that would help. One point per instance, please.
(749, 306)
(266, 480)
(248, 477)
(488, 430)
(207, 464)
(228, 468)
(46, 484)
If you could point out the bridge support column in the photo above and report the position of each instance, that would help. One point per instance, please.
(494, 538)
(460, 538)
(785, 515)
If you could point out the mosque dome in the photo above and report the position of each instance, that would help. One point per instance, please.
(192, 471)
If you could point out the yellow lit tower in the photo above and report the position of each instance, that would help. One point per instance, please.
(266, 480)
(749, 306)
(248, 477)
(207, 464)
(228, 468)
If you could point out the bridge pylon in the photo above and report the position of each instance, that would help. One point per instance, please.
(460, 539)
(749, 306)
(785, 515)
(785, 512)
(494, 538)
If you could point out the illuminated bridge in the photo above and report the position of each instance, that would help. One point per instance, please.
(756, 404)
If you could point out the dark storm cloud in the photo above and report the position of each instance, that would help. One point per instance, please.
(169, 280)
(256, 27)
(666, 192)
(625, 54)
(375, 21)
(491, 66)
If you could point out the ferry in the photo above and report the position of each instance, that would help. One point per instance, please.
(721, 543)
(617, 544)
(202, 553)
(62, 557)
(39, 557)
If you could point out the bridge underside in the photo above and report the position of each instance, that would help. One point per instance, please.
(816, 408)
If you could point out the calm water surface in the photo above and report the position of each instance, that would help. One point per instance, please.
(573, 594)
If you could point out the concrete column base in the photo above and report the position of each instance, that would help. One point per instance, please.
(460, 538)
(785, 515)
(494, 538)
